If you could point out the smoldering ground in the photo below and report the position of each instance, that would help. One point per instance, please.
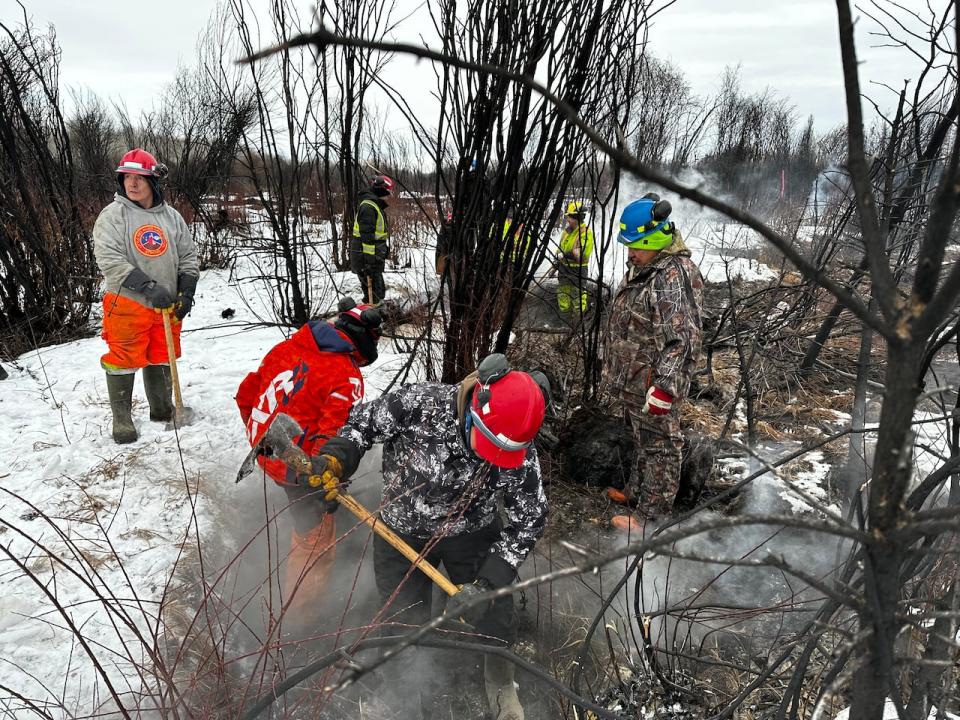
(704, 609)
(258, 653)
(262, 647)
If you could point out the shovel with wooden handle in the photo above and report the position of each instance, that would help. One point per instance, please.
(377, 525)
(278, 442)
(181, 415)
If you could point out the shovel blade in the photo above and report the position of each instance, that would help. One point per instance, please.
(249, 463)
(181, 416)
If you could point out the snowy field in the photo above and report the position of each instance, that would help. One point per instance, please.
(98, 525)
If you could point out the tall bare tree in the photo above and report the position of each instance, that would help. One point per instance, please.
(514, 156)
(93, 132)
(196, 133)
(353, 72)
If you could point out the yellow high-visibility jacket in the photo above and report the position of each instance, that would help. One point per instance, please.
(582, 237)
(380, 233)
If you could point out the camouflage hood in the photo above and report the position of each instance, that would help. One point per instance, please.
(677, 247)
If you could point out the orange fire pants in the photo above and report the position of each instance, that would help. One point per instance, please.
(134, 335)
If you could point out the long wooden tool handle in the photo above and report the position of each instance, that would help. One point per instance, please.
(391, 537)
(172, 357)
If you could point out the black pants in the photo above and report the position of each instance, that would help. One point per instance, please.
(461, 556)
(369, 266)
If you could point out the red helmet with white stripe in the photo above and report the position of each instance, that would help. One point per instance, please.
(506, 411)
(138, 162)
(381, 185)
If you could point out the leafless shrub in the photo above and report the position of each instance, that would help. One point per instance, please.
(47, 274)
(93, 135)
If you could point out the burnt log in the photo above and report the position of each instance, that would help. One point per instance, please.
(598, 450)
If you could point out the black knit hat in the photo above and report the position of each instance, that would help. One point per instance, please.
(361, 323)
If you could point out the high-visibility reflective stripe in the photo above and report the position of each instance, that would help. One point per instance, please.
(369, 249)
(521, 240)
(380, 232)
(498, 439)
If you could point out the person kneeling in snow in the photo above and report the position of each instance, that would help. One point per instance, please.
(651, 348)
(450, 453)
(145, 251)
(313, 377)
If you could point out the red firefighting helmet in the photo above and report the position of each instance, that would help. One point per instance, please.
(507, 411)
(139, 162)
(381, 185)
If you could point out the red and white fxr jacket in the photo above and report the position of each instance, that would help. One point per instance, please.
(313, 377)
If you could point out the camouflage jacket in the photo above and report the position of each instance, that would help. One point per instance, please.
(654, 328)
(432, 482)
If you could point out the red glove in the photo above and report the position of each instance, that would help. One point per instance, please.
(658, 402)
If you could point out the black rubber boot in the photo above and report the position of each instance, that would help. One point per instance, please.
(120, 390)
(159, 390)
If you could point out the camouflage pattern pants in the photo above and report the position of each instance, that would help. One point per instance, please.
(655, 475)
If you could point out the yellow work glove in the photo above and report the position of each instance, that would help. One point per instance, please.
(327, 472)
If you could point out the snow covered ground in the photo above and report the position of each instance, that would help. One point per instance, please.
(91, 532)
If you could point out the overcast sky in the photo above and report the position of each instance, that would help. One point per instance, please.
(127, 51)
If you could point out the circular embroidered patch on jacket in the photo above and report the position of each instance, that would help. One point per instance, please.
(149, 240)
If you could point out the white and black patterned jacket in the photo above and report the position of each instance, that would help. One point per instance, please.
(434, 484)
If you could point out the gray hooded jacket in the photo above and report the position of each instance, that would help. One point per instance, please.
(156, 240)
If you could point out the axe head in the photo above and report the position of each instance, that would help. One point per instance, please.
(279, 442)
